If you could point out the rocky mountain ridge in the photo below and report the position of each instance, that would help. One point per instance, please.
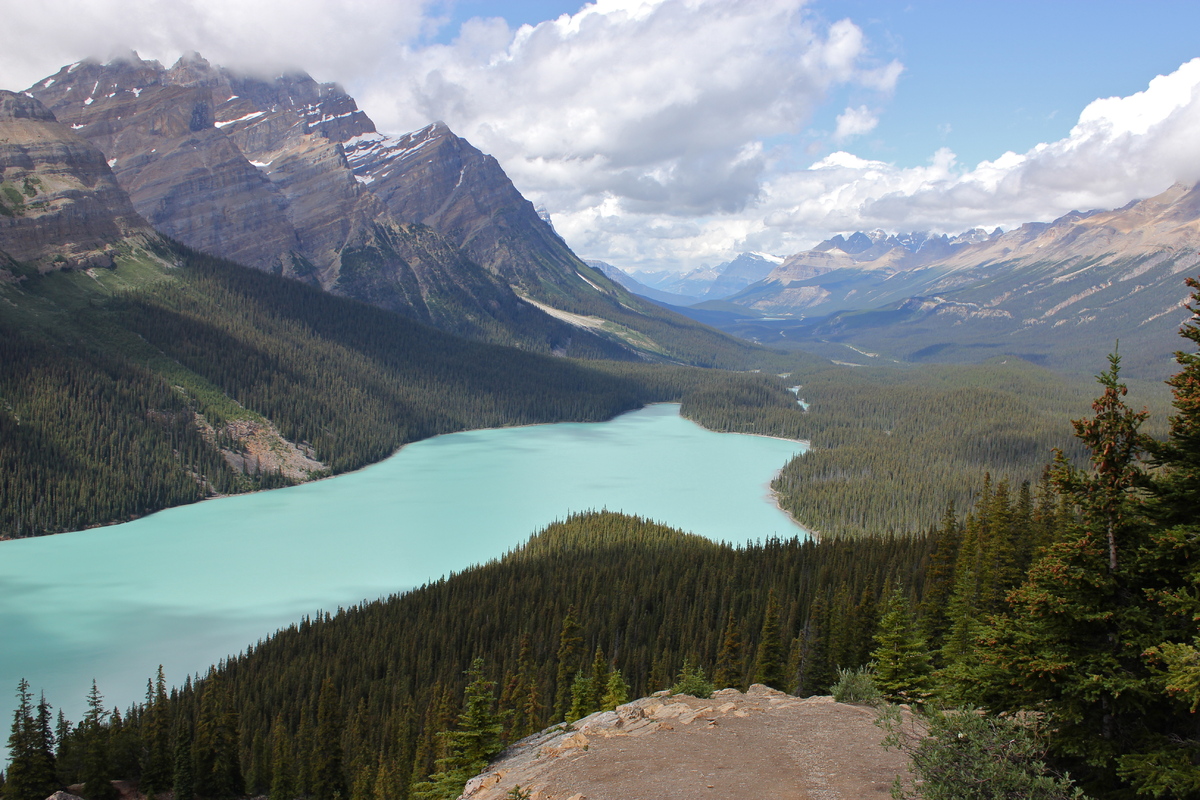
(865, 270)
(290, 176)
(1059, 293)
(60, 206)
(699, 284)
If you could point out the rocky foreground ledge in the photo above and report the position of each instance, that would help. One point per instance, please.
(759, 745)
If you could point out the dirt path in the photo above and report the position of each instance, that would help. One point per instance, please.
(762, 745)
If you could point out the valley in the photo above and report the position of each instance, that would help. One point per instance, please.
(504, 482)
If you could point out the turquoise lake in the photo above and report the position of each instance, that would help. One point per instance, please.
(188, 586)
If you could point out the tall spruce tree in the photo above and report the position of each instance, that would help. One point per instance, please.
(283, 782)
(216, 747)
(1073, 643)
(902, 669)
(570, 655)
(816, 673)
(730, 670)
(1168, 763)
(616, 693)
(156, 738)
(599, 677)
(471, 745)
(329, 780)
(769, 662)
(30, 774)
(183, 778)
(97, 778)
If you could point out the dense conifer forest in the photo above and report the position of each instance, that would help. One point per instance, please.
(1073, 597)
(118, 389)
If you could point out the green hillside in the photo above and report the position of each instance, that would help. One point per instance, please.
(119, 388)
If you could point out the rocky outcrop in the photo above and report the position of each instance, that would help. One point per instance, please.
(60, 205)
(735, 746)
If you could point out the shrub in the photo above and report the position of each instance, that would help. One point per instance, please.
(857, 686)
(962, 754)
(692, 681)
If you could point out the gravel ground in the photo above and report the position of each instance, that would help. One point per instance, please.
(761, 745)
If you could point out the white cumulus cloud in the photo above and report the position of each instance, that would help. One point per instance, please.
(854, 122)
(1121, 148)
(663, 104)
(341, 40)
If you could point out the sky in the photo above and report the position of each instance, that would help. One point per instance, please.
(671, 134)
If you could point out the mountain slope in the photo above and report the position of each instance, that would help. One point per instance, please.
(59, 204)
(137, 374)
(289, 176)
(1060, 293)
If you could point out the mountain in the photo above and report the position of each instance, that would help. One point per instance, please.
(690, 285)
(701, 283)
(631, 283)
(137, 374)
(853, 272)
(735, 275)
(290, 176)
(1060, 293)
(60, 206)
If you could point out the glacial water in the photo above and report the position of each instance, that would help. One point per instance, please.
(188, 586)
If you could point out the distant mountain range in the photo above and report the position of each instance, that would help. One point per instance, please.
(697, 285)
(290, 176)
(1061, 293)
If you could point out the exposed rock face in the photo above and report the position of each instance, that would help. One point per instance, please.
(256, 171)
(735, 746)
(436, 178)
(1060, 293)
(60, 205)
(185, 176)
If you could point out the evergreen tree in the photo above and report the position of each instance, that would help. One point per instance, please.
(183, 779)
(44, 741)
(1073, 643)
(216, 757)
(940, 578)
(522, 694)
(730, 671)
(329, 782)
(1168, 563)
(616, 693)
(156, 738)
(769, 663)
(97, 779)
(582, 691)
(816, 673)
(901, 659)
(283, 784)
(570, 652)
(599, 680)
(469, 748)
(532, 710)
(388, 784)
(30, 774)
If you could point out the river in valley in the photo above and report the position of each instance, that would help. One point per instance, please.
(190, 585)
